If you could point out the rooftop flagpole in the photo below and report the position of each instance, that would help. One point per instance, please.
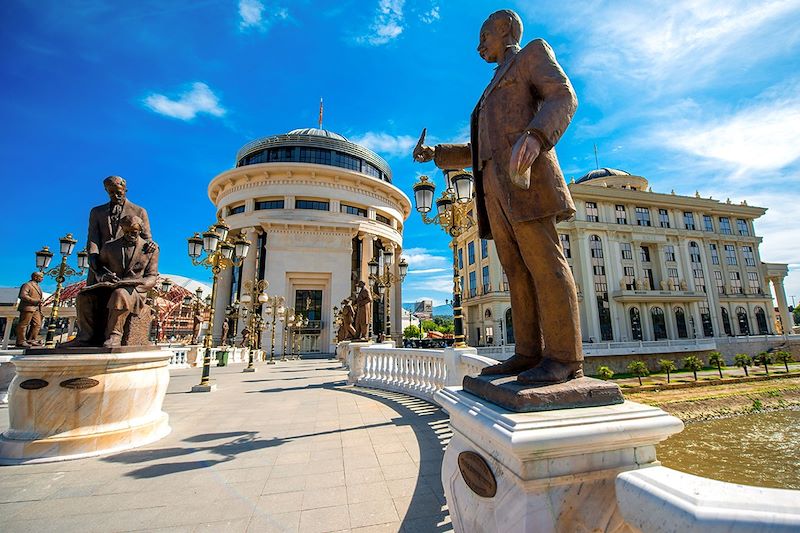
(320, 113)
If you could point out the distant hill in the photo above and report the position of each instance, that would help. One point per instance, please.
(438, 310)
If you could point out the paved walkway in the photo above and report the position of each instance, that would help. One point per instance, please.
(289, 448)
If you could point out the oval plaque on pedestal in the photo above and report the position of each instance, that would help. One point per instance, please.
(33, 384)
(477, 474)
(79, 383)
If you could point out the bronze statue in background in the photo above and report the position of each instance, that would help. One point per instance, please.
(112, 311)
(30, 312)
(346, 330)
(363, 311)
(225, 330)
(520, 195)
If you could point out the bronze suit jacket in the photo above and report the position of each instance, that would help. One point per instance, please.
(100, 230)
(530, 92)
(30, 296)
(140, 266)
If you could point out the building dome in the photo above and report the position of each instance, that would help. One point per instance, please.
(316, 146)
(601, 173)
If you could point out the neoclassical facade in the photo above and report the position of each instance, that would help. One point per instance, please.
(317, 208)
(649, 267)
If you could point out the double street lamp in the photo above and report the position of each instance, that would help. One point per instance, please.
(299, 323)
(274, 310)
(221, 252)
(196, 304)
(452, 215)
(254, 296)
(60, 273)
(380, 273)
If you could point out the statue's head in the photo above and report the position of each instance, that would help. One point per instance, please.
(502, 29)
(37, 277)
(131, 227)
(361, 285)
(116, 188)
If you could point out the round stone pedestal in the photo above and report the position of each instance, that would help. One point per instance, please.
(70, 404)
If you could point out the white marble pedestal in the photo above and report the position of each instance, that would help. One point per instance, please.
(554, 471)
(69, 406)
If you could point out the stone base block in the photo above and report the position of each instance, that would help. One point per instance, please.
(549, 471)
(248, 369)
(70, 406)
(211, 387)
(506, 392)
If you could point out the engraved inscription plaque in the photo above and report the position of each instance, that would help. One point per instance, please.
(33, 384)
(79, 383)
(477, 474)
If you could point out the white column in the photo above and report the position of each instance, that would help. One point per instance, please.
(224, 282)
(7, 332)
(783, 307)
(397, 301)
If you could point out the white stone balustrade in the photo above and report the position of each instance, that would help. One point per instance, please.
(180, 356)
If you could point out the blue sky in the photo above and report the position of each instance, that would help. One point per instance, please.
(693, 95)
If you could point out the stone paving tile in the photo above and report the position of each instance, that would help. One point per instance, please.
(278, 452)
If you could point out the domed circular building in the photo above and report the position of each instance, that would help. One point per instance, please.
(317, 208)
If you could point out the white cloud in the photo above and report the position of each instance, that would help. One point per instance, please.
(430, 16)
(422, 258)
(436, 284)
(254, 15)
(387, 25)
(427, 270)
(199, 99)
(399, 145)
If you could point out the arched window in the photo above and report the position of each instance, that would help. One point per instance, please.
(726, 322)
(705, 318)
(744, 322)
(680, 323)
(761, 320)
(601, 287)
(659, 324)
(509, 328)
(636, 324)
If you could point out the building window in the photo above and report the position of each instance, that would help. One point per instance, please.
(269, 204)
(642, 216)
(761, 320)
(736, 282)
(726, 322)
(753, 284)
(485, 276)
(471, 252)
(669, 253)
(688, 220)
(749, 258)
(644, 252)
(708, 223)
(473, 285)
(315, 155)
(622, 216)
(236, 210)
(626, 250)
(353, 210)
(484, 248)
(312, 204)
(744, 322)
(714, 254)
(565, 246)
(725, 225)
(347, 161)
(699, 279)
(659, 323)
(591, 212)
(741, 226)
(371, 170)
(460, 258)
(636, 324)
(601, 288)
(649, 283)
(719, 282)
(705, 318)
(629, 278)
(730, 255)
(680, 323)
(663, 218)
(672, 275)
(383, 219)
(694, 252)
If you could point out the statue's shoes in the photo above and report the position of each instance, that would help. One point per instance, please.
(113, 341)
(23, 344)
(74, 343)
(513, 365)
(551, 371)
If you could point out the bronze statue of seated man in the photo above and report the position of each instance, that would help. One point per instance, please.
(125, 271)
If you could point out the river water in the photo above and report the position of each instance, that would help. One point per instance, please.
(761, 449)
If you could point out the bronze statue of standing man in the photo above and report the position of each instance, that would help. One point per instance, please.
(363, 310)
(520, 195)
(30, 312)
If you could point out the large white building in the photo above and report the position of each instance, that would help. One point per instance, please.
(649, 267)
(317, 208)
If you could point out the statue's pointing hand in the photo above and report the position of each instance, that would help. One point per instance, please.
(422, 153)
(525, 152)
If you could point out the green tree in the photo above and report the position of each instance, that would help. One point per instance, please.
(715, 359)
(638, 369)
(743, 360)
(666, 365)
(784, 357)
(796, 315)
(764, 358)
(411, 332)
(605, 373)
(429, 325)
(694, 364)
